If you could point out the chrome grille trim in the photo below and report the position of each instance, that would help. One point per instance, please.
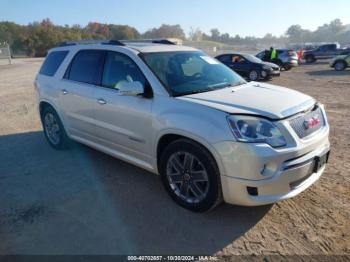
(297, 123)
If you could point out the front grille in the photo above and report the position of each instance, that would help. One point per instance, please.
(298, 123)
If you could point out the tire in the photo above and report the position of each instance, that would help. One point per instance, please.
(287, 67)
(54, 131)
(265, 76)
(190, 175)
(310, 59)
(279, 63)
(339, 65)
(253, 75)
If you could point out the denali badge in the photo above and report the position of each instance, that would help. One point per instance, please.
(312, 122)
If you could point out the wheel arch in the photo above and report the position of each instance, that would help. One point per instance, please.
(165, 138)
(46, 103)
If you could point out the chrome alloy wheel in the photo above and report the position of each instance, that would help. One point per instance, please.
(52, 129)
(253, 75)
(339, 66)
(187, 177)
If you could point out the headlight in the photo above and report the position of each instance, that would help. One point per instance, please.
(256, 130)
(266, 67)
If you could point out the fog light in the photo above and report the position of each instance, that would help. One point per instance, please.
(253, 191)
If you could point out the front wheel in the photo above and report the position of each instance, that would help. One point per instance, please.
(339, 66)
(190, 175)
(287, 67)
(310, 59)
(253, 75)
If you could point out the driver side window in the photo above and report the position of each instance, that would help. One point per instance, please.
(120, 69)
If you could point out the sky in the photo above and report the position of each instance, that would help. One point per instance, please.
(246, 18)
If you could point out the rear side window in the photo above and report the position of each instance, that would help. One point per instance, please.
(225, 58)
(87, 67)
(52, 62)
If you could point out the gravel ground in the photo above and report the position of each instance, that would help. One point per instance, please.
(81, 201)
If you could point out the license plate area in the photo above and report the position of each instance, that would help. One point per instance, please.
(320, 161)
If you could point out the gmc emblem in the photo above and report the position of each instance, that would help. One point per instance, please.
(312, 122)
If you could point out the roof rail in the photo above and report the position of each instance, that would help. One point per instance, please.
(163, 41)
(90, 42)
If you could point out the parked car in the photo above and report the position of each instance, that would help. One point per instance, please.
(177, 112)
(286, 58)
(340, 62)
(249, 66)
(324, 52)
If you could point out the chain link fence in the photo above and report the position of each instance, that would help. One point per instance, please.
(5, 53)
(215, 49)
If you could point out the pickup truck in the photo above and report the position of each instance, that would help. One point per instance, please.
(324, 52)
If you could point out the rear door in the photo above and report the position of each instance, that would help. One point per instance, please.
(231, 61)
(78, 93)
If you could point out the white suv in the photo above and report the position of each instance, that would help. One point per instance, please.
(179, 113)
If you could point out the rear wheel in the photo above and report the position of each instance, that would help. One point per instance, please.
(287, 67)
(339, 65)
(310, 59)
(190, 175)
(53, 129)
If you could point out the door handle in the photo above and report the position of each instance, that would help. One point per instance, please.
(64, 91)
(101, 101)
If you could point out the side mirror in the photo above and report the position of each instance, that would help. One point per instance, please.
(131, 88)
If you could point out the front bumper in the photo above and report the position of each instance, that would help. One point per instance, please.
(258, 174)
(293, 63)
(270, 73)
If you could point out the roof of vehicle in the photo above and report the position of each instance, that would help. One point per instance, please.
(152, 48)
(234, 53)
(142, 46)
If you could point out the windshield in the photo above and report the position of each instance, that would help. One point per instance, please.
(186, 73)
(252, 58)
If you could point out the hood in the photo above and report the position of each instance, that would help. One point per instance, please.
(339, 57)
(254, 98)
(270, 64)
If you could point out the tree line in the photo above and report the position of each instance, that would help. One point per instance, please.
(36, 38)
(335, 31)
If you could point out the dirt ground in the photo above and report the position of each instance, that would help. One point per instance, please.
(81, 201)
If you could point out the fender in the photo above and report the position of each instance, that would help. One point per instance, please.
(51, 103)
(186, 134)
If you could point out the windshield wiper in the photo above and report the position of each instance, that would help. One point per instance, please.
(238, 83)
(195, 92)
(224, 85)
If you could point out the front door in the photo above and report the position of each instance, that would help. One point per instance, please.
(124, 123)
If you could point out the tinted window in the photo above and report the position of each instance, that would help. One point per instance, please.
(119, 69)
(87, 67)
(237, 59)
(225, 58)
(52, 62)
(252, 58)
(261, 55)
